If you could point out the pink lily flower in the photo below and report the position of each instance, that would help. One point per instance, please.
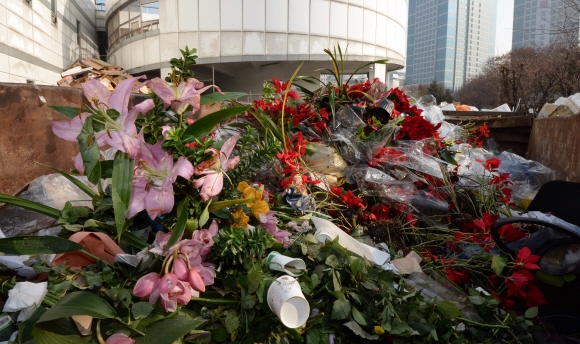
(153, 181)
(269, 222)
(204, 237)
(206, 272)
(181, 96)
(213, 170)
(146, 285)
(173, 292)
(119, 133)
(119, 338)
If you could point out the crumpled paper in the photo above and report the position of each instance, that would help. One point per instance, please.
(97, 244)
(25, 297)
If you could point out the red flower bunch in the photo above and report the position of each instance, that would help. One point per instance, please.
(347, 197)
(480, 133)
(478, 231)
(358, 92)
(521, 283)
(417, 128)
(402, 104)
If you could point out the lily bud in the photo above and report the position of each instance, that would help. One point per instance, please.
(195, 281)
(180, 269)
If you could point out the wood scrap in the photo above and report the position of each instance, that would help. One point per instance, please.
(84, 70)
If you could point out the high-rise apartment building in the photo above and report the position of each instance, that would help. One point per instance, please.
(449, 40)
(541, 22)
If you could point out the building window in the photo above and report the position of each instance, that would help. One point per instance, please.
(135, 18)
(53, 10)
(78, 33)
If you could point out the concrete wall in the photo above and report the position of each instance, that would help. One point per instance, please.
(226, 31)
(34, 48)
(26, 135)
(555, 143)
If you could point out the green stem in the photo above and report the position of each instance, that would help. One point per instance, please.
(482, 325)
(95, 257)
(218, 301)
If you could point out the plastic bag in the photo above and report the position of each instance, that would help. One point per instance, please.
(326, 163)
(52, 190)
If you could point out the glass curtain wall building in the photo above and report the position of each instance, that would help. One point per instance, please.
(449, 40)
(541, 22)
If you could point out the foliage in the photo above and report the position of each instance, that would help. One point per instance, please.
(180, 67)
(440, 93)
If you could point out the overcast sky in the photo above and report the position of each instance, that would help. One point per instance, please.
(503, 31)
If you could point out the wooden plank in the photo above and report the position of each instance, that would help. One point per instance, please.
(113, 72)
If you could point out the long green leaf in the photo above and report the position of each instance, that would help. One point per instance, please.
(133, 240)
(69, 111)
(30, 205)
(223, 204)
(170, 330)
(267, 123)
(177, 232)
(62, 331)
(80, 303)
(90, 152)
(84, 187)
(220, 97)
(22, 245)
(122, 185)
(204, 125)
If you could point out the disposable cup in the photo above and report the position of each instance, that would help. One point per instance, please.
(278, 262)
(286, 300)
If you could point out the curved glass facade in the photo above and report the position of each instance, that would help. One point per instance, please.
(133, 19)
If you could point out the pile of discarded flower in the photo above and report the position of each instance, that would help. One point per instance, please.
(248, 233)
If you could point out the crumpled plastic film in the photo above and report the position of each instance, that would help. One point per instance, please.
(369, 180)
(431, 112)
(52, 190)
(346, 119)
(326, 162)
(470, 167)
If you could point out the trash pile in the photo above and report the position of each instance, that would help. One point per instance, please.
(91, 68)
(563, 106)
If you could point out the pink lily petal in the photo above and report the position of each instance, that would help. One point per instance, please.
(212, 186)
(182, 168)
(154, 296)
(138, 194)
(230, 164)
(126, 140)
(162, 89)
(143, 107)
(169, 305)
(185, 295)
(207, 273)
(159, 200)
(119, 99)
(227, 149)
(146, 285)
(196, 281)
(69, 130)
(167, 283)
(95, 90)
(119, 338)
(79, 164)
(213, 228)
(180, 269)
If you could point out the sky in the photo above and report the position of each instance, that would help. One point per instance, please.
(503, 30)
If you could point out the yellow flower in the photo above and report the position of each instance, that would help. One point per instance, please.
(379, 330)
(259, 207)
(240, 218)
(250, 192)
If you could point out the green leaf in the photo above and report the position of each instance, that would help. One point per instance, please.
(25, 329)
(204, 125)
(168, 331)
(80, 303)
(341, 309)
(223, 204)
(254, 281)
(220, 97)
(332, 261)
(204, 215)
(90, 152)
(177, 231)
(122, 185)
(354, 327)
(313, 336)
(22, 245)
(219, 334)
(248, 302)
(358, 317)
(232, 320)
(69, 111)
(498, 263)
(449, 308)
(531, 312)
(58, 331)
(84, 187)
(36, 207)
(141, 310)
(107, 169)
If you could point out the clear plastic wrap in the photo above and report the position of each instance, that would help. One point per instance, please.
(52, 190)
(431, 112)
(326, 163)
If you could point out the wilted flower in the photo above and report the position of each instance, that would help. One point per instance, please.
(213, 170)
